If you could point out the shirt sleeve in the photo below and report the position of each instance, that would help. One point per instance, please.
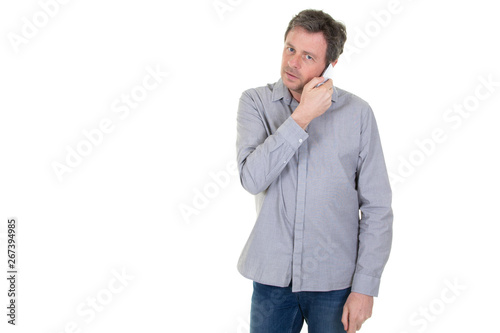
(262, 155)
(374, 197)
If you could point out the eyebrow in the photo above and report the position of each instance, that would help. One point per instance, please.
(307, 52)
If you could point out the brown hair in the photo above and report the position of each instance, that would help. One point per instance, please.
(319, 21)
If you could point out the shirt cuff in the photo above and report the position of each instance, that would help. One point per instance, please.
(365, 284)
(292, 133)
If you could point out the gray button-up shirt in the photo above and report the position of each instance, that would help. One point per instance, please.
(323, 199)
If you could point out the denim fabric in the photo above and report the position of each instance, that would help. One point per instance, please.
(279, 310)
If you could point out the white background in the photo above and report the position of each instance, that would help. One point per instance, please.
(119, 209)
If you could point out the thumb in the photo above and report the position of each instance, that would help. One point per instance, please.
(345, 319)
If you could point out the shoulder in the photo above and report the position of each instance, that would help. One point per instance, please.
(263, 93)
(352, 100)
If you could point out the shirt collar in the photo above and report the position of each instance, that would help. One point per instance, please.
(280, 91)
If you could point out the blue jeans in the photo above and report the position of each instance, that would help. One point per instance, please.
(278, 310)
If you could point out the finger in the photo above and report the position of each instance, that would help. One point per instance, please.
(345, 320)
(314, 82)
(327, 85)
(352, 324)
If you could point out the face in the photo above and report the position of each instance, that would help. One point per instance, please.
(304, 57)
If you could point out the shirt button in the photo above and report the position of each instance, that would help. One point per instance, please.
(300, 140)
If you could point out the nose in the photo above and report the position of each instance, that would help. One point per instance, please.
(294, 61)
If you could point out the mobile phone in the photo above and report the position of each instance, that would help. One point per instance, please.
(327, 74)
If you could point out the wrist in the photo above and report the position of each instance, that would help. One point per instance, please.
(300, 119)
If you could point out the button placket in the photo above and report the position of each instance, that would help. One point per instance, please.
(299, 218)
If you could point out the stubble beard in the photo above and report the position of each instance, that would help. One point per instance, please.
(299, 86)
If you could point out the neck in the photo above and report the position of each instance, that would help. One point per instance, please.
(295, 95)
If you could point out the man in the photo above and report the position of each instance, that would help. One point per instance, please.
(312, 157)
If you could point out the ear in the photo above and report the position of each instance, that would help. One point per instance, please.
(333, 63)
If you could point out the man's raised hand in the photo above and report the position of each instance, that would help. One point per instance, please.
(314, 101)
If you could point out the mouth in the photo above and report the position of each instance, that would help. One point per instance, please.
(291, 76)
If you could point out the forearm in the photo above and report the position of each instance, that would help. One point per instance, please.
(375, 239)
(260, 163)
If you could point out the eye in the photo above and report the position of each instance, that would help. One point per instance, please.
(308, 57)
(290, 49)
